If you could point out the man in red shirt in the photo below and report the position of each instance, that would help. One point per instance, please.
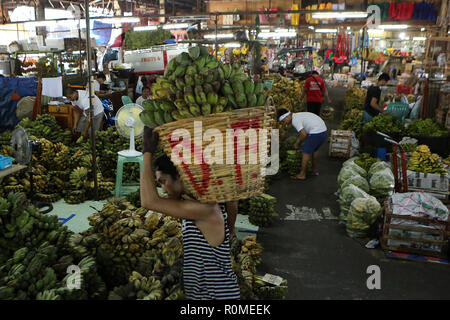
(314, 89)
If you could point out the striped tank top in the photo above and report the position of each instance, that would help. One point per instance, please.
(207, 271)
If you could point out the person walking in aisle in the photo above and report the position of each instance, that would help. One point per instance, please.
(372, 106)
(312, 132)
(207, 269)
(315, 89)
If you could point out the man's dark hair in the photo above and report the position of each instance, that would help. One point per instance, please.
(280, 112)
(384, 76)
(314, 72)
(145, 88)
(69, 91)
(165, 165)
(101, 75)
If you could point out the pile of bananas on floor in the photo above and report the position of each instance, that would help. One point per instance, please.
(195, 83)
(127, 253)
(62, 168)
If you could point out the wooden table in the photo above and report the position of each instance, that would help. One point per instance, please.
(11, 170)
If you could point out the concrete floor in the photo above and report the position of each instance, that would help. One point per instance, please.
(317, 257)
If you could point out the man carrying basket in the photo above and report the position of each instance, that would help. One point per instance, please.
(207, 269)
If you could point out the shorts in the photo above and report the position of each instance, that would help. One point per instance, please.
(313, 142)
(82, 123)
(314, 107)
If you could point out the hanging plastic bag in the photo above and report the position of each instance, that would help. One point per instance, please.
(295, 16)
(347, 195)
(362, 217)
(263, 17)
(236, 17)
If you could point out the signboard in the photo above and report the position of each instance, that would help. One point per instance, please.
(151, 62)
(146, 61)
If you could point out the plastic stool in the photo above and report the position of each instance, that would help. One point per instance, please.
(120, 162)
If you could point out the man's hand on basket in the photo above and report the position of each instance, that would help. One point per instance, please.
(150, 142)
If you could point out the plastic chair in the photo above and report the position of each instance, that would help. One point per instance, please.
(126, 100)
(398, 110)
(119, 176)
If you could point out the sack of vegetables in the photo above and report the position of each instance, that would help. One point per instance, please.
(358, 181)
(362, 217)
(349, 171)
(382, 184)
(346, 197)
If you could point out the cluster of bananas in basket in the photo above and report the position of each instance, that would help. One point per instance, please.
(422, 160)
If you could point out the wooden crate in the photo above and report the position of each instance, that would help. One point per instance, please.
(340, 144)
(63, 114)
(441, 237)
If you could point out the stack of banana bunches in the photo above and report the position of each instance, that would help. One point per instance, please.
(196, 84)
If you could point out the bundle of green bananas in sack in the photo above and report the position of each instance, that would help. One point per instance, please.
(262, 210)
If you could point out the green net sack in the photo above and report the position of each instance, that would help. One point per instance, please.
(362, 217)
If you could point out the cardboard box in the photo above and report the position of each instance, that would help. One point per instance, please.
(427, 181)
(244, 228)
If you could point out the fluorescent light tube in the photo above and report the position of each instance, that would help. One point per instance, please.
(175, 26)
(393, 26)
(119, 20)
(233, 45)
(277, 35)
(145, 28)
(219, 36)
(326, 30)
(339, 15)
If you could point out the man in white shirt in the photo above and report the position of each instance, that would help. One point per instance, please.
(80, 100)
(98, 82)
(312, 131)
(145, 96)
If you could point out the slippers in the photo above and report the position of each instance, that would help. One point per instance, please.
(297, 178)
(315, 173)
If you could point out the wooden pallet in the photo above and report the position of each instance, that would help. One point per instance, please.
(442, 235)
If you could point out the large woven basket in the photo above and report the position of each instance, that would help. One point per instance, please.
(221, 182)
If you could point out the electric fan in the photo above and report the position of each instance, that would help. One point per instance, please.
(129, 125)
(23, 153)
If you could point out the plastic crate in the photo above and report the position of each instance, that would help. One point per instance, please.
(398, 110)
(5, 162)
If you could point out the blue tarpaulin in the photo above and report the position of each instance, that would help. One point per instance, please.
(8, 106)
(24, 87)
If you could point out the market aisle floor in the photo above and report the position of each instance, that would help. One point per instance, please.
(317, 257)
